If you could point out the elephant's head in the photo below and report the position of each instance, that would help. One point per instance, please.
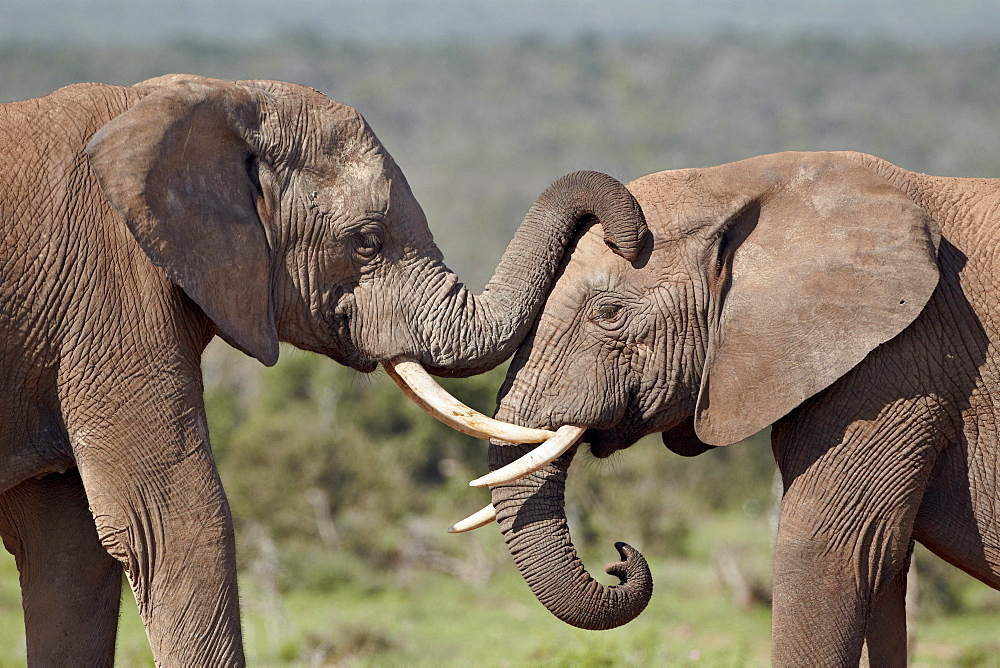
(281, 215)
(763, 282)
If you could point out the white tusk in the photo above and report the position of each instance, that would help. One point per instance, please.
(478, 519)
(418, 385)
(564, 439)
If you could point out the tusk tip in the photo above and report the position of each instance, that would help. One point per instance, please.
(475, 521)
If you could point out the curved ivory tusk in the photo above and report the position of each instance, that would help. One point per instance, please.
(418, 385)
(478, 519)
(565, 438)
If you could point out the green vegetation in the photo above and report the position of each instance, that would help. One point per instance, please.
(342, 489)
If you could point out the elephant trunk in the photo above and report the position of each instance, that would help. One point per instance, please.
(470, 334)
(532, 518)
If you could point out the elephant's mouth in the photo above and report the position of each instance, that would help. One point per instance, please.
(340, 317)
(346, 350)
(606, 442)
(603, 442)
(361, 363)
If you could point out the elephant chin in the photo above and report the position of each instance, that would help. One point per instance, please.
(346, 353)
(362, 364)
(606, 442)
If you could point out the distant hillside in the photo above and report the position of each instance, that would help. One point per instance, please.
(480, 131)
(137, 21)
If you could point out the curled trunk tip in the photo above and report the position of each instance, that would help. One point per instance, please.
(587, 604)
(633, 565)
(610, 202)
(533, 522)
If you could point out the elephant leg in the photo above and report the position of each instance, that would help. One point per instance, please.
(826, 588)
(161, 511)
(844, 537)
(885, 636)
(71, 587)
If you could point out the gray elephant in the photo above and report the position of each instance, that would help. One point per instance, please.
(852, 304)
(137, 223)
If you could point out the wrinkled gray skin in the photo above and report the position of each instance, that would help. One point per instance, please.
(138, 222)
(852, 304)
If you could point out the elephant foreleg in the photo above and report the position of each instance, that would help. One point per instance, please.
(886, 640)
(71, 587)
(844, 538)
(161, 511)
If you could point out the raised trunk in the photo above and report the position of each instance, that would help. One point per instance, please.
(469, 334)
(476, 333)
(531, 515)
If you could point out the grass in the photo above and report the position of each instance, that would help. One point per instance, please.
(429, 618)
(436, 620)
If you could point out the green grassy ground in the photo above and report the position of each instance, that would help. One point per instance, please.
(436, 620)
(428, 618)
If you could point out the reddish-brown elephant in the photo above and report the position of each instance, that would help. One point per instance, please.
(852, 304)
(138, 222)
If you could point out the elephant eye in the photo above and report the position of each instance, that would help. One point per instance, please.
(367, 243)
(608, 315)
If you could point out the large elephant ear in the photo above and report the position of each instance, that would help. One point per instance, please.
(823, 261)
(176, 166)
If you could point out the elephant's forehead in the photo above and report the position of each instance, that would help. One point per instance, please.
(357, 182)
(592, 265)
